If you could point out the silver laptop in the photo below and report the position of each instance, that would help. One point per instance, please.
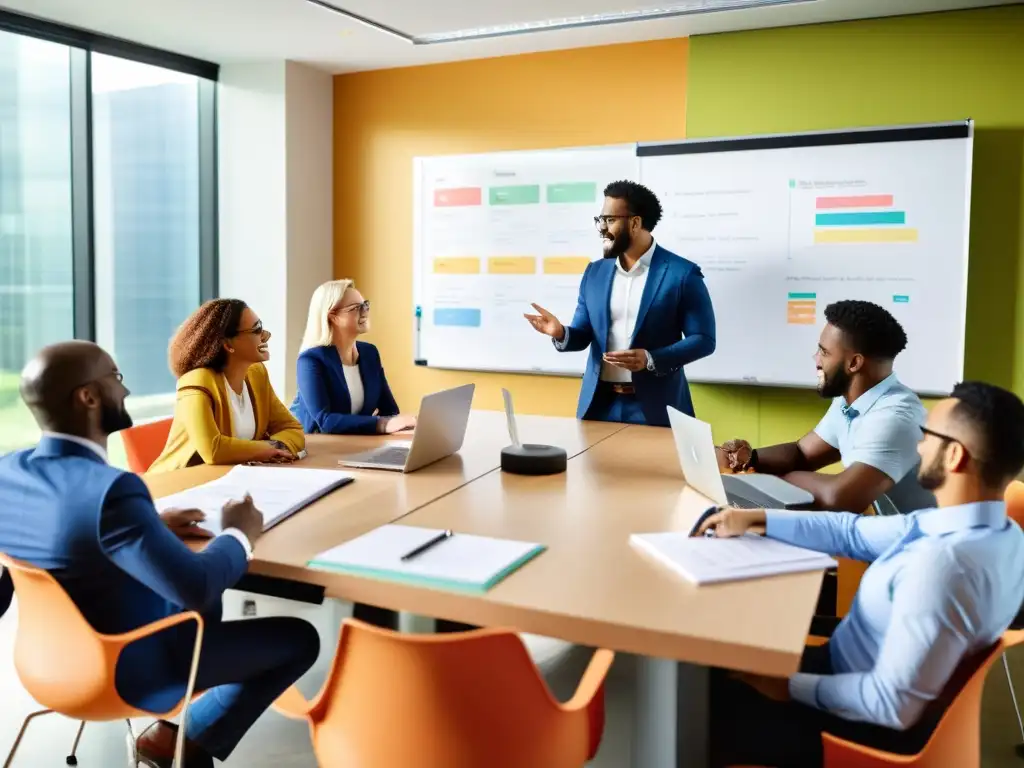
(699, 463)
(440, 430)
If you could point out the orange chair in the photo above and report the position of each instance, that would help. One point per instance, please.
(460, 700)
(68, 667)
(143, 443)
(955, 742)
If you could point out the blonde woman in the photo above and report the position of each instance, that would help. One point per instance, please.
(342, 387)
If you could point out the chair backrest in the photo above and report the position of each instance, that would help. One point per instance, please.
(1014, 498)
(59, 657)
(956, 740)
(144, 442)
(460, 700)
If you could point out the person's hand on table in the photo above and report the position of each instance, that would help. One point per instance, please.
(389, 425)
(274, 452)
(737, 455)
(774, 688)
(630, 359)
(729, 522)
(244, 516)
(184, 523)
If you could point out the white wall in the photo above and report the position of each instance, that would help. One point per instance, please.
(309, 143)
(275, 146)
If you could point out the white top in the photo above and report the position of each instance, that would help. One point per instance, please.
(623, 308)
(243, 417)
(355, 386)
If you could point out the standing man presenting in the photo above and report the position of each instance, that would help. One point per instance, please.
(643, 311)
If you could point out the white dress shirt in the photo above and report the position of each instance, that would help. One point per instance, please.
(234, 533)
(355, 386)
(243, 417)
(623, 308)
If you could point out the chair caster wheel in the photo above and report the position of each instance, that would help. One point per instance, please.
(71, 760)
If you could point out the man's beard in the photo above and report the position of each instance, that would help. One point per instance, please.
(834, 385)
(114, 418)
(932, 477)
(619, 245)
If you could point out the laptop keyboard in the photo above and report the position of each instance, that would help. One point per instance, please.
(396, 455)
(740, 503)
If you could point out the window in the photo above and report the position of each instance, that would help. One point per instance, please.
(36, 300)
(146, 213)
(107, 206)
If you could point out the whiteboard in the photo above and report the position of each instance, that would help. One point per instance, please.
(495, 233)
(782, 226)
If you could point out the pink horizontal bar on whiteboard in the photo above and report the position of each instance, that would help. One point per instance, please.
(855, 201)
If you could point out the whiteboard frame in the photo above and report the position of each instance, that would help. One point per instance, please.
(417, 251)
(968, 123)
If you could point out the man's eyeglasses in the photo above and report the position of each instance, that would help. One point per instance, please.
(938, 435)
(363, 307)
(602, 221)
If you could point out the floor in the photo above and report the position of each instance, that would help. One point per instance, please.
(276, 742)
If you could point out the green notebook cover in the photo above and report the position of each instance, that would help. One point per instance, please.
(385, 574)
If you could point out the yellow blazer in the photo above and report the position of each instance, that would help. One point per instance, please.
(201, 432)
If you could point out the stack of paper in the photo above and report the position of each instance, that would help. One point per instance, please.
(277, 492)
(460, 562)
(708, 560)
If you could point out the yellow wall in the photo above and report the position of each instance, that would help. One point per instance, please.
(914, 69)
(880, 72)
(384, 119)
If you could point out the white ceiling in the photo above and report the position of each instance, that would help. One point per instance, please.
(227, 31)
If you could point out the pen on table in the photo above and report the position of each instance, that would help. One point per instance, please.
(427, 545)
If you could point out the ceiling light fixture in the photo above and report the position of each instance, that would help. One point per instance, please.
(569, 22)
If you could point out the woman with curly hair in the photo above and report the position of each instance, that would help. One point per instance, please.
(226, 410)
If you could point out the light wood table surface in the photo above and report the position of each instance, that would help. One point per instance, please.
(378, 497)
(592, 586)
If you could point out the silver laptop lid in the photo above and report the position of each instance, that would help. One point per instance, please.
(697, 459)
(440, 426)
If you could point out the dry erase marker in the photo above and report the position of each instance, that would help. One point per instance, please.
(427, 545)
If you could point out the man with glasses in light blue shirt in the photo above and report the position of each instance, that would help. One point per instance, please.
(942, 587)
(873, 424)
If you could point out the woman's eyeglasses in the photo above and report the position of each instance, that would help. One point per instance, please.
(256, 330)
(363, 307)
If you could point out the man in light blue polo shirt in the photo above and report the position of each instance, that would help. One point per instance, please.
(943, 585)
(872, 426)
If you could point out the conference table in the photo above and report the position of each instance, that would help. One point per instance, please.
(590, 586)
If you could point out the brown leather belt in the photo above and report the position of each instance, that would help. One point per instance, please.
(621, 389)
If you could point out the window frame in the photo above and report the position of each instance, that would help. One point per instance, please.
(83, 44)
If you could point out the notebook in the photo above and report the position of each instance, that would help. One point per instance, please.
(709, 560)
(460, 562)
(277, 492)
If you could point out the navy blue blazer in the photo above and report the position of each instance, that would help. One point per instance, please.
(675, 323)
(323, 403)
(95, 528)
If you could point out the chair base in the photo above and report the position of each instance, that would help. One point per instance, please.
(1020, 751)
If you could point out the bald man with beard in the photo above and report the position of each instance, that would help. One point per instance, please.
(95, 529)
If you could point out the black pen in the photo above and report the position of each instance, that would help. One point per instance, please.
(427, 545)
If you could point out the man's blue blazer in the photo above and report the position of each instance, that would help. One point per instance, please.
(675, 323)
(96, 530)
